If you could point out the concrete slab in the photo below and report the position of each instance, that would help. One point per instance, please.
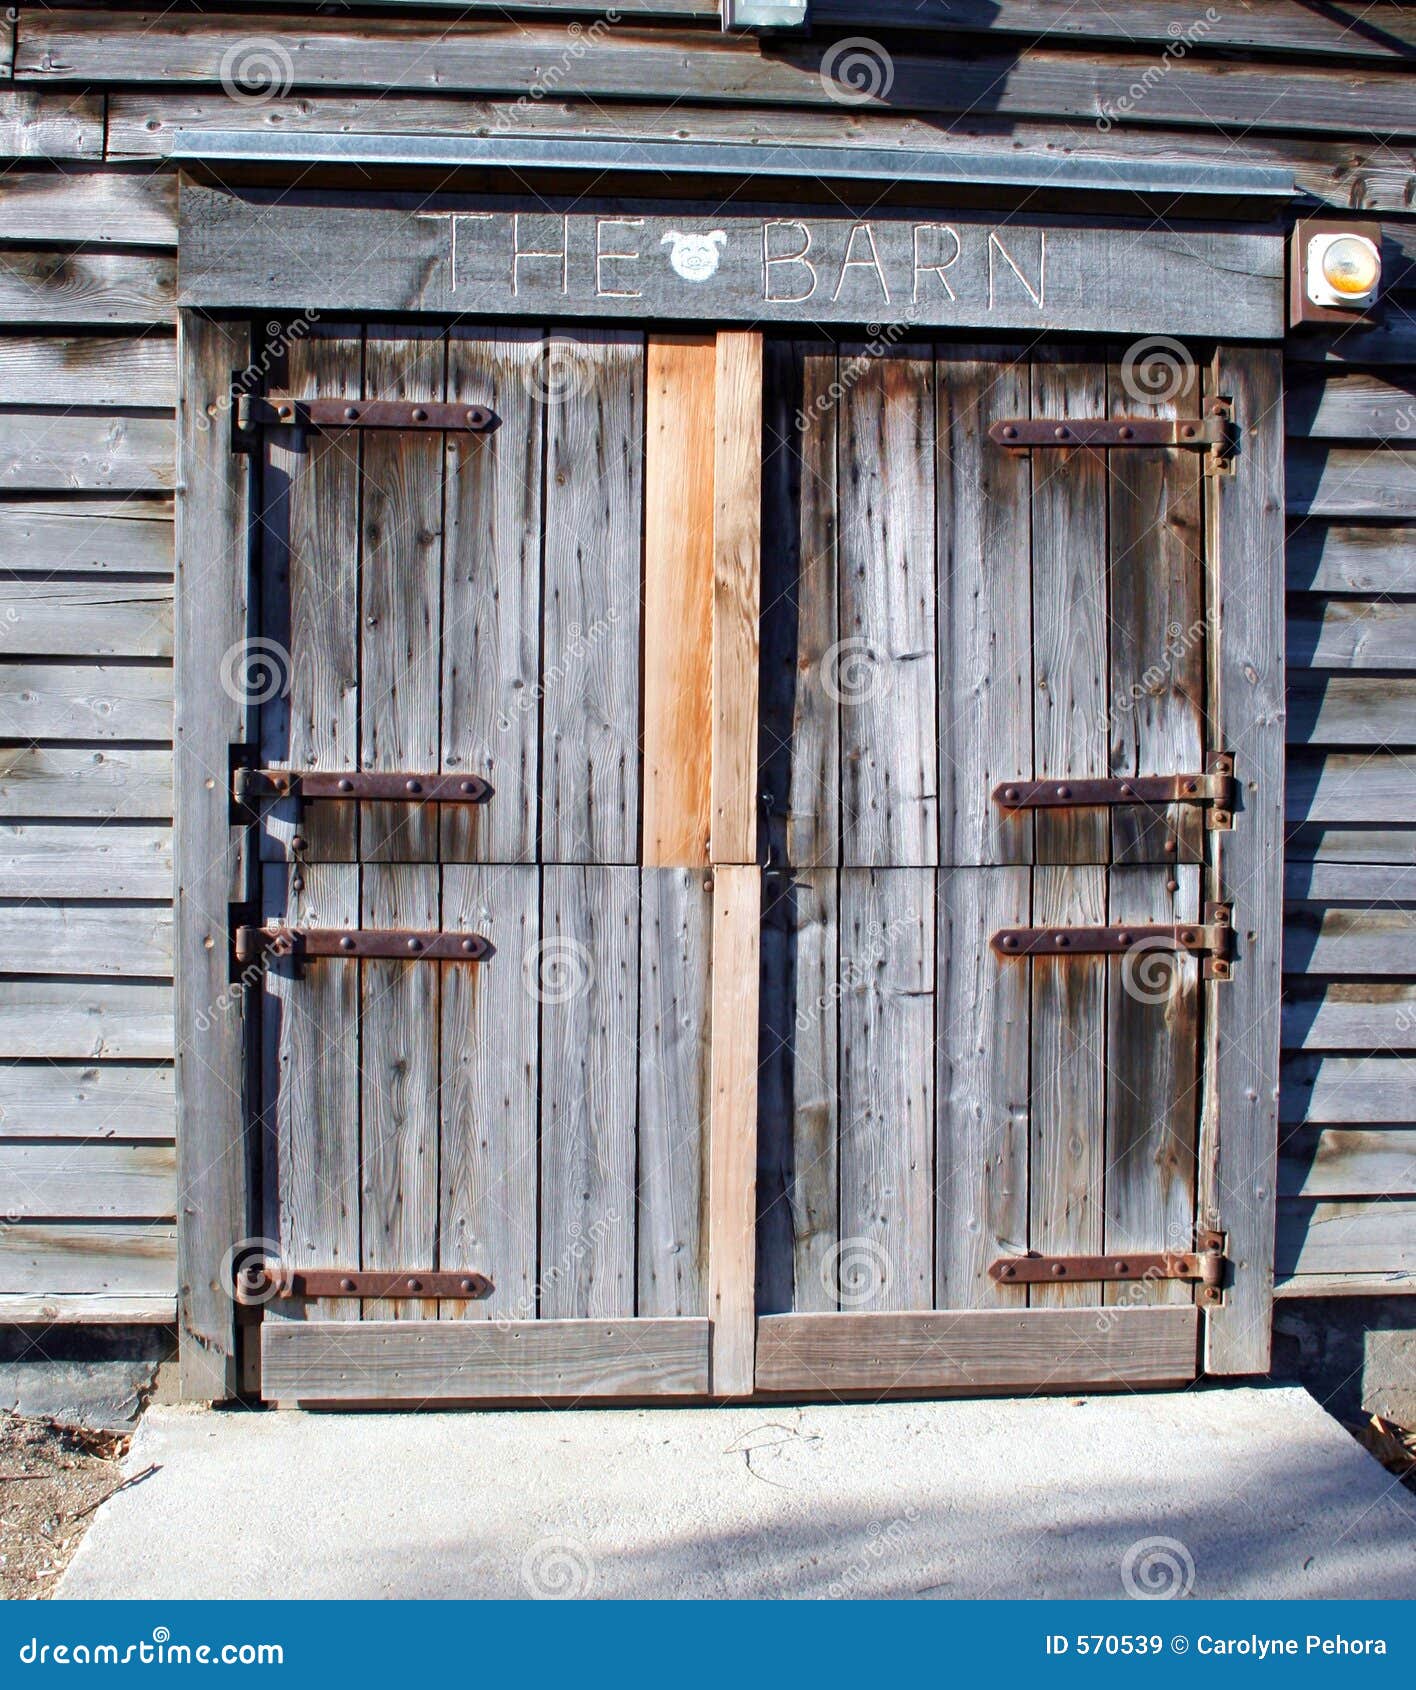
(1250, 1492)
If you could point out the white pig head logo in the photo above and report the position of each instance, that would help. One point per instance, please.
(694, 257)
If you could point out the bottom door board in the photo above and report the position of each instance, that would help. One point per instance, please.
(977, 1350)
(461, 1361)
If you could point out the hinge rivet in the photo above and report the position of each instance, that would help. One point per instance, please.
(415, 1284)
(469, 944)
(415, 944)
(419, 414)
(1059, 1270)
(1060, 433)
(413, 786)
(346, 943)
(1064, 792)
(346, 786)
(346, 1285)
(351, 413)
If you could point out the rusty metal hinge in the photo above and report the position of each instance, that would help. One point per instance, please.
(355, 944)
(282, 410)
(258, 1282)
(1213, 433)
(1205, 1266)
(253, 787)
(1215, 787)
(1212, 939)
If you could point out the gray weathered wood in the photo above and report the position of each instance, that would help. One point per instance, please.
(1390, 340)
(93, 1181)
(1349, 941)
(82, 782)
(98, 288)
(90, 206)
(389, 1361)
(1353, 787)
(85, 1019)
(883, 265)
(675, 1003)
(1350, 481)
(1353, 634)
(492, 595)
(69, 370)
(488, 1089)
(985, 606)
(585, 972)
(982, 1102)
(104, 939)
(1377, 1284)
(49, 126)
(1346, 1237)
(86, 1100)
(85, 701)
(1371, 882)
(1352, 558)
(1334, 406)
(590, 652)
(80, 861)
(884, 667)
(1321, 1090)
(976, 1350)
(89, 1258)
(1350, 1015)
(1341, 1162)
(71, 534)
(86, 618)
(44, 450)
(212, 584)
(87, 1309)
(1352, 710)
(1246, 561)
(887, 980)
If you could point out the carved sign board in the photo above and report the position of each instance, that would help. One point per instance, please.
(655, 261)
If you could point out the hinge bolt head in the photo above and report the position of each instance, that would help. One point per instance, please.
(346, 943)
(346, 786)
(1059, 1271)
(413, 786)
(346, 1285)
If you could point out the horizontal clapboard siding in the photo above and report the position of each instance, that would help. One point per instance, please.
(87, 394)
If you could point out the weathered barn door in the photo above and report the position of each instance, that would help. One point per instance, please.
(483, 1022)
(994, 945)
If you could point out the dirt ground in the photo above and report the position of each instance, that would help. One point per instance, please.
(51, 1479)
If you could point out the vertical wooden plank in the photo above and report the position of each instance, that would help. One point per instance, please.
(310, 592)
(491, 644)
(886, 1248)
(490, 1062)
(800, 721)
(1157, 657)
(586, 973)
(678, 597)
(1067, 1154)
(982, 1106)
(675, 1007)
(212, 584)
(985, 607)
(1152, 1081)
(737, 593)
(884, 669)
(401, 592)
(732, 1157)
(1239, 1162)
(1069, 610)
(398, 1094)
(310, 1023)
(594, 500)
(797, 1192)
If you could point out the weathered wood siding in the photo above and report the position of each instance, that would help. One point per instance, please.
(90, 102)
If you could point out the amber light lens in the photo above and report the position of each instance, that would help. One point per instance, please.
(1351, 266)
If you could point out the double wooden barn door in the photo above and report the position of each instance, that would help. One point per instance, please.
(687, 963)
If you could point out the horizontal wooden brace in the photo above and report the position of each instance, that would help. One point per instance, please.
(251, 786)
(394, 944)
(1213, 939)
(258, 1282)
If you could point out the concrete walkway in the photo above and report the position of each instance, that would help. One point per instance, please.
(1252, 1492)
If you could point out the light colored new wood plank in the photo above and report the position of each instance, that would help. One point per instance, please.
(1350, 1015)
(43, 450)
(101, 1309)
(463, 1360)
(737, 593)
(85, 701)
(1353, 634)
(92, 206)
(1349, 941)
(1336, 557)
(1348, 1162)
(93, 289)
(1360, 1236)
(1351, 710)
(35, 125)
(86, 619)
(1350, 481)
(82, 783)
(675, 1096)
(86, 1100)
(591, 639)
(88, 1259)
(104, 861)
(679, 599)
(92, 1181)
(585, 973)
(75, 370)
(1350, 788)
(132, 535)
(100, 939)
(1339, 406)
(732, 1130)
(976, 1350)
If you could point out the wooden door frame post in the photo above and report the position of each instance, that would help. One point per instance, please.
(213, 538)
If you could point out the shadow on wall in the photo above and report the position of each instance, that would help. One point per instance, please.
(1356, 1355)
